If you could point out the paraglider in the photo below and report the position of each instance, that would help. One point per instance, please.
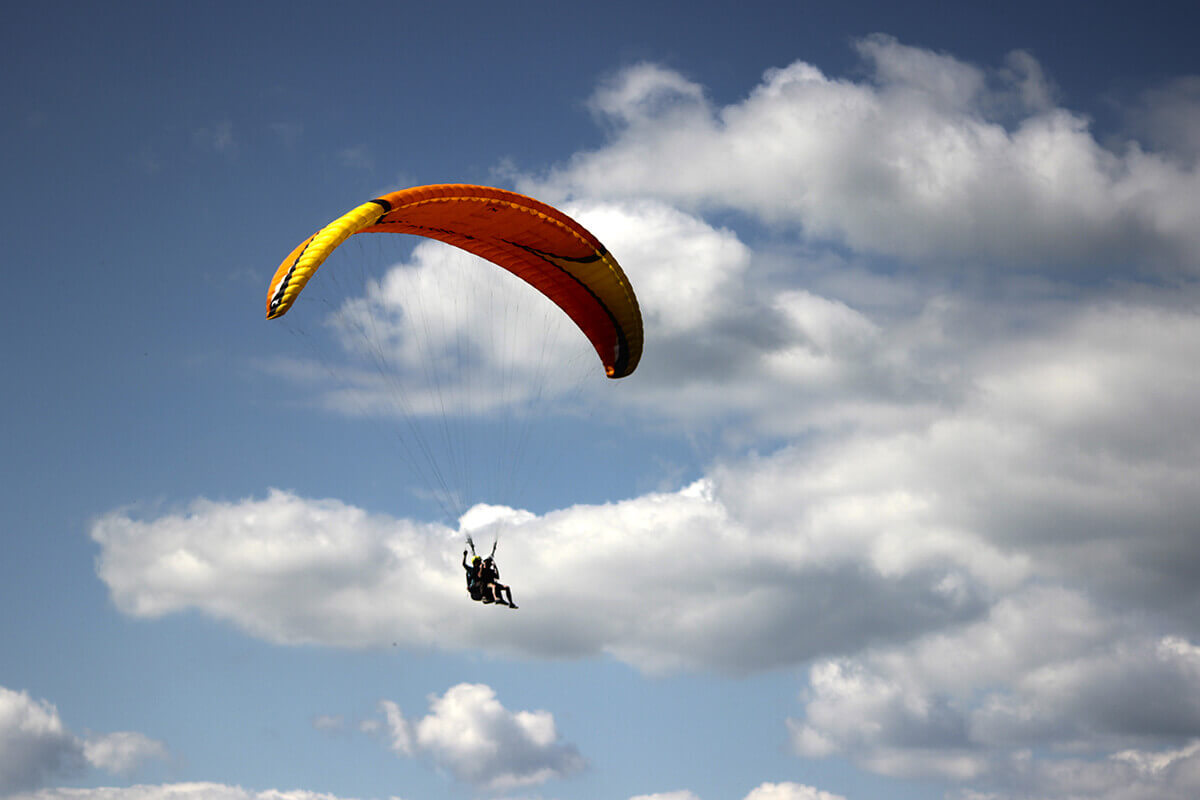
(536, 242)
(483, 581)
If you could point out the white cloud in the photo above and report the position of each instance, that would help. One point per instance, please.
(766, 791)
(122, 753)
(1172, 774)
(175, 791)
(292, 570)
(939, 78)
(790, 791)
(931, 159)
(36, 747)
(470, 734)
(1044, 669)
(1168, 117)
(398, 729)
(644, 92)
(34, 743)
(289, 570)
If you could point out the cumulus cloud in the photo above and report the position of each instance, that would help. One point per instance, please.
(1044, 669)
(36, 747)
(766, 791)
(477, 740)
(790, 791)
(930, 159)
(1126, 775)
(291, 570)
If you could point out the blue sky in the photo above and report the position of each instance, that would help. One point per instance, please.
(900, 502)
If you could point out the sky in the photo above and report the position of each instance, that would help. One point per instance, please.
(901, 502)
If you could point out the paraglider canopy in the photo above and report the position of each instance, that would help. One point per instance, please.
(537, 242)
